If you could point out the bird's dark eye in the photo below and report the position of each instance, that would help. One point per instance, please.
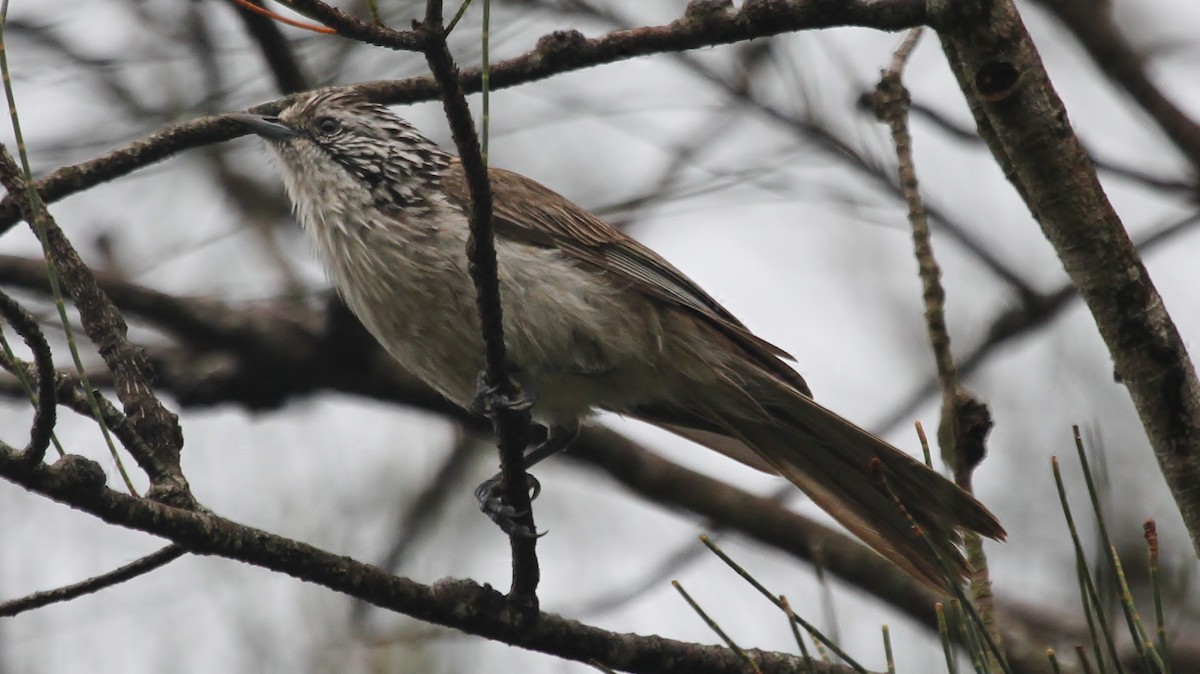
(327, 126)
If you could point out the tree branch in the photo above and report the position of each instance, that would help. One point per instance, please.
(138, 567)
(1025, 125)
(511, 413)
(351, 28)
(105, 326)
(555, 53)
(1093, 25)
(45, 399)
(459, 604)
(262, 357)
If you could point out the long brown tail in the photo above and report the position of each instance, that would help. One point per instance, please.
(873, 489)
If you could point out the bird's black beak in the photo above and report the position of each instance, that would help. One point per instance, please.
(267, 127)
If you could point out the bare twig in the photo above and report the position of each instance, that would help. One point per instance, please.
(138, 567)
(1094, 27)
(555, 53)
(46, 401)
(460, 604)
(257, 8)
(349, 27)
(512, 418)
(107, 329)
(964, 421)
(1026, 127)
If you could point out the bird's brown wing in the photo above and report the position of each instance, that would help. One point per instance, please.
(838, 464)
(526, 211)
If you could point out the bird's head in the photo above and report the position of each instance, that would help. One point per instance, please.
(333, 142)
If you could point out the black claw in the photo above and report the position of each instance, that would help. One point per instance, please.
(512, 528)
(484, 394)
(535, 487)
(489, 495)
(492, 504)
(488, 399)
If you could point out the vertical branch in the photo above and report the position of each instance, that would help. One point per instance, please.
(102, 322)
(964, 420)
(45, 403)
(1025, 125)
(511, 417)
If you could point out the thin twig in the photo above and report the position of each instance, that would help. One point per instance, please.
(716, 628)
(1035, 311)
(460, 604)
(19, 180)
(46, 402)
(250, 6)
(106, 328)
(1027, 129)
(349, 27)
(131, 570)
(964, 421)
(512, 419)
(559, 52)
(25, 374)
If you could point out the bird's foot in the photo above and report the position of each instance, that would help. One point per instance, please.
(488, 399)
(490, 495)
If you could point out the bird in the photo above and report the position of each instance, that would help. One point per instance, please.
(592, 320)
